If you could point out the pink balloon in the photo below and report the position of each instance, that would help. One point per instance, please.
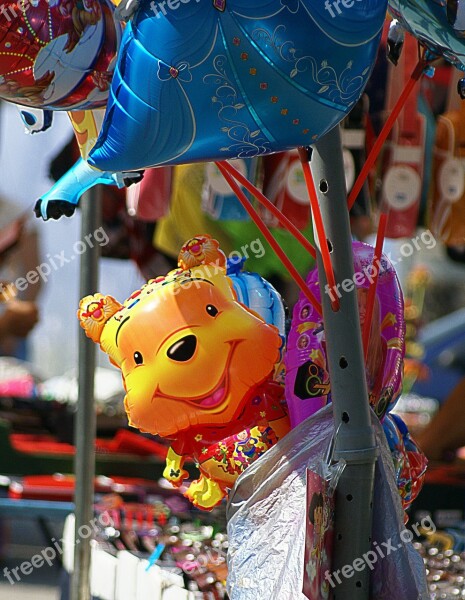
(307, 379)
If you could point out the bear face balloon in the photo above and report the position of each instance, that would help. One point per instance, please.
(197, 368)
(57, 54)
(219, 79)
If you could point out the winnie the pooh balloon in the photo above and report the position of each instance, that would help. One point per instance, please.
(197, 367)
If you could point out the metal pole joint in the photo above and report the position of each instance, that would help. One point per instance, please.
(357, 457)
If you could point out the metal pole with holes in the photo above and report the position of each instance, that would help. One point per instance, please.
(85, 419)
(355, 441)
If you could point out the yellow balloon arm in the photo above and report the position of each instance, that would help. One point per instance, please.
(174, 471)
(87, 125)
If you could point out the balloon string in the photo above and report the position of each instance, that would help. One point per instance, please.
(269, 238)
(285, 222)
(319, 226)
(386, 130)
(376, 267)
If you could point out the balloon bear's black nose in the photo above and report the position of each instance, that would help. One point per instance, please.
(183, 349)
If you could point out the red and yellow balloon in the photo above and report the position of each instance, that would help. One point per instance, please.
(198, 369)
(57, 54)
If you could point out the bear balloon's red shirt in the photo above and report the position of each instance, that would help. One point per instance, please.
(237, 444)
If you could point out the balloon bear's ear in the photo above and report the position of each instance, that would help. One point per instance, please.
(201, 250)
(94, 312)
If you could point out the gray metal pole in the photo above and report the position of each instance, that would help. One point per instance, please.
(85, 423)
(355, 441)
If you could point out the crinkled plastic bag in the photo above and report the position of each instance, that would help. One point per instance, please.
(266, 521)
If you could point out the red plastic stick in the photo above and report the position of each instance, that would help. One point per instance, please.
(372, 289)
(285, 222)
(269, 238)
(319, 226)
(371, 159)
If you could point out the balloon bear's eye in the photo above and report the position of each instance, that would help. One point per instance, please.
(138, 358)
(212, 310)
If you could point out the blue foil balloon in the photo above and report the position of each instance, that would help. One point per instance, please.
(438, 24)
(216, 79)
(409, 461)
(258, 294)
(64, 196)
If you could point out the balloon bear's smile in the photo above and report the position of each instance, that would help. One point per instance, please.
(215, 397)
(187, 350)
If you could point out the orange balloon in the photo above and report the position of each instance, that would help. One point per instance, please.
(198, 369)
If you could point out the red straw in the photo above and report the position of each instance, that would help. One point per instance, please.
(370, 161)
(372, 289)
(285, 222)
(269, 238)
(319, 226)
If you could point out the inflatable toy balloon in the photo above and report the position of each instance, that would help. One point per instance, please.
(197, 367)
(201, 250)
(307, 379)
(409, 461)
(63, 198)
(57, 54)
(35, 120)
(212, 80)
(438, 25)
(258, 294)
(251, 290)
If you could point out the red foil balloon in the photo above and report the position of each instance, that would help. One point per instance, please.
(57, 54)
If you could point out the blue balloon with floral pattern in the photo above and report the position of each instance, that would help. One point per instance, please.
(219, 79)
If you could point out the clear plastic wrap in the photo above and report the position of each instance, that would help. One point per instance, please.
(266, 521)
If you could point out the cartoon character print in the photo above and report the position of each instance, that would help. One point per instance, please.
(201, 378)
(102, 80)
(83, 13)
(94, 312)
(29, 94)
(201, 250)
(236, 454)
(319, 517)
(64, 56)
(319, 531)
(312, 379)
